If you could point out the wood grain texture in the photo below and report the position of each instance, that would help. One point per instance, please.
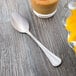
(20, 55)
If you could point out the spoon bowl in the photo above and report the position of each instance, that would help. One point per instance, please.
(20, 23)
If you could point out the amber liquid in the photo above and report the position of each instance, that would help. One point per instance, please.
(44, 6)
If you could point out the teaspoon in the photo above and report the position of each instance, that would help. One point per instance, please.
(22, 25)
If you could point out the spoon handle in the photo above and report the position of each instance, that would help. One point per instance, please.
(55, 60)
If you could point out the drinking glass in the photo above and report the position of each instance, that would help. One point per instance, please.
(70, 6)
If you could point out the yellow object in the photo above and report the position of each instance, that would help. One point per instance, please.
(71, 24)
(72, 37)
(74, 49)
(71, 27)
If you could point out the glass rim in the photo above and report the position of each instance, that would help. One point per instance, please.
(72, 5)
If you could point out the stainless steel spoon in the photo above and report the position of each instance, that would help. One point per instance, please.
(22, 25)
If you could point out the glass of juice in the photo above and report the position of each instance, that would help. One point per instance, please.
(70, 24)
(44, 8)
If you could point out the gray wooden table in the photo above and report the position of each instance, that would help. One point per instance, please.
(21, 56)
